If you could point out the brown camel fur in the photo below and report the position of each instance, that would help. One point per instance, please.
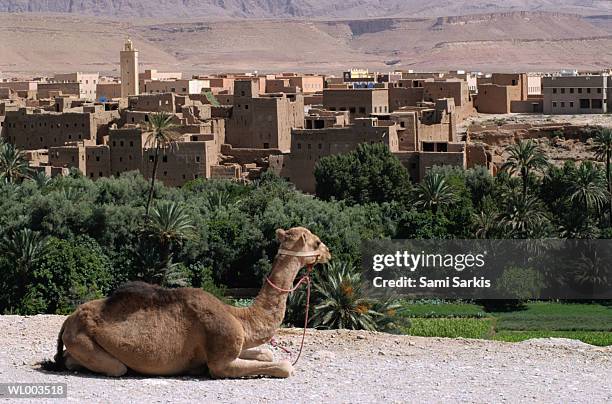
(157, 331)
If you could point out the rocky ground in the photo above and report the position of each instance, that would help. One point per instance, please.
(344, 366)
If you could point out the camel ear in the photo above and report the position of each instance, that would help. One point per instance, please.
(281, 235)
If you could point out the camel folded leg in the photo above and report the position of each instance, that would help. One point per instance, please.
(86, 352)
(243, 368)
(257, 354)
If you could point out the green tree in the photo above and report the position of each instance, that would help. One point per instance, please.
(68, 273)
(523, 216)
(587, 188)
(603, 151)
(168, 227)
(20, 250)
(13, 164)
(161, 134)
(433, 193)
(371, 173)
(524, 158)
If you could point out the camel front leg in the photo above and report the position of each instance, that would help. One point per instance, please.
(243, 368)
(257, 354)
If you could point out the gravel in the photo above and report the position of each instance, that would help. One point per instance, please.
(344, 366)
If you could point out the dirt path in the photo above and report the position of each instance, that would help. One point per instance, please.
(343, 366)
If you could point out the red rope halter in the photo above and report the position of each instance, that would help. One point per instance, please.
(305, 278)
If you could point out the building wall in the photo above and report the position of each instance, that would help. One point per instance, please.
(126, 149)
(184, 162)
(360, 103)
(405, 96)
(97, 161)
(163, 102)
(575, 94)
(108, 90)
(68, 156)
(307, 84)
(70, 88)
(20, 85)
(88, 82)
(496, 99)
(308, 146)
(534, 85)
(183, 87)
(129, 70)
(262, 122)
(31, 130)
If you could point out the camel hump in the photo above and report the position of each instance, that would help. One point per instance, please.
(144, 293)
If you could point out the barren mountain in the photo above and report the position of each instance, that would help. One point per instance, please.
(508, 41)
(296, 8)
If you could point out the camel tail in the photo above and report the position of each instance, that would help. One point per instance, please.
(59, 356)
(57, 364)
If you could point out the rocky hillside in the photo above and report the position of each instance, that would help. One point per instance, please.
(508, 41)
(296, 8)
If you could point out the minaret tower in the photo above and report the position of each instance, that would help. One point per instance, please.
(129, 70)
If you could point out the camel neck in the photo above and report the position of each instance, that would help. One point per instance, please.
(266, 314)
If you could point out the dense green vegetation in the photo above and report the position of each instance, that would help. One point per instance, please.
(67, 240)
(588, 322)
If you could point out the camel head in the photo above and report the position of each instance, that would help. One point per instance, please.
(300, 242)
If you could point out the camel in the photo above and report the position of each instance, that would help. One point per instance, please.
(156, 331)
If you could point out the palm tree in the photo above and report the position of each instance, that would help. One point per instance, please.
(13, 165)
(22, 249)
(169, 225)
(524, 157)
(41, 179)
(603, 151)
(586, 189)
(161, 134)
(486, 223)
(432, 193)
(523, 216)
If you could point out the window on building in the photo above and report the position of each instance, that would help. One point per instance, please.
(428, 147)
(165, 173)
(165, 159)
(585, 103)
(131, 143)
(100, 174)
(299, 146)
(599, 91)
(151, 158)
(588, 91)
(571, 104)
(97, 158)
(580, 91)
(320, 146)
(362, 110)
(563, 91)
(352, 110)
(554, 104)
(554, 91)
(571, 91)
(562, 104)
(596, 104)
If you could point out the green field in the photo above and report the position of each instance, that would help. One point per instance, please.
(590, 323)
